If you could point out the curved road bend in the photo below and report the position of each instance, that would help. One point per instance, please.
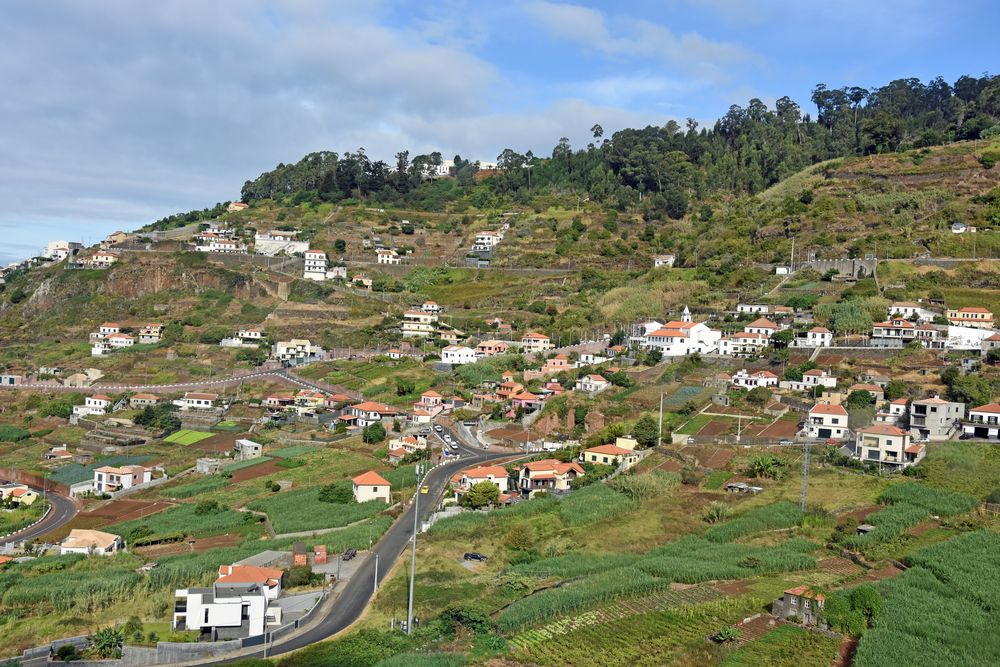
(63, 510)
(359, 589)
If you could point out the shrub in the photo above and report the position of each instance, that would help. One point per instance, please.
(717, 512)
(770, 517)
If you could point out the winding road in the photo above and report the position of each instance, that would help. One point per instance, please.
(63, 510)
(351, 602)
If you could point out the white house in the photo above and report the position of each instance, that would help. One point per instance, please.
(222, 245)
(102, 259)
(752, 379)
(664, 260)
(98, 404)
(238, 604)
(278, 241)
(983, 422)
(487, 240)
(387, 256)
(496, 475)
(592, 384)
(456, 355)
(119, 340)
(96, 542)
(753, 309)
(370, 412)
(60, 250)
(297, 351)
(109, 479)
(909, 310)
(430, 307)
(742, 344)
(762, 325)
(535, 342)
(315, 265)
(827, 422)
(811, 379)
(370, 486)
(815, 337)
(419, 324)
(677, 339)
(194, 400)
(887, 445)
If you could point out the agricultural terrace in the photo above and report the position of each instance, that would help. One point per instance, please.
(187, 437)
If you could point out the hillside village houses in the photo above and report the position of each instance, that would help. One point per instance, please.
(101, 259)
(533, 342)
(98, 404)
(250, 337)
(762, 326)
(752, 379)
(297, 351)
(489, 348)
(466, 479)
(150, 334)
(935, 419)
(276, 242)
(194, 400)
(888, 446)
(743, 344)
(811, 379)
(143, 400)
(548, 475)
(678, 339)
(430, 307)
(827, 422)
(110, 480)
(977, 318)
(456, 355)
(664, 260)
(815, 337)
(909, 310)
(419, 324)
(19, 494)
(983, 422)
(369, 412)
(900, 332)
(57, 251)
(592, 384)
(90, 542)
(622, 453)
(487, 240)
(370, 486)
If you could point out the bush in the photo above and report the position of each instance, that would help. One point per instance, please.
(770, 517)
(10, 433)
(717, 512)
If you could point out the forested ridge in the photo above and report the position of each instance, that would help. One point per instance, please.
(661, 171)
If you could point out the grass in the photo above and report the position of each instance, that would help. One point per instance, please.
(186, 519)
(195, 488)
(302, 510)
(717, 478)
(294, 451)
(963, 467)
(694, 424)
(15, 519)
(785, 646)
(187, 437)
(240, 465)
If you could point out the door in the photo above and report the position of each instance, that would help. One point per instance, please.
(825, 433)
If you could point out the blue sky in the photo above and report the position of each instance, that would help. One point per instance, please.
(119, 112)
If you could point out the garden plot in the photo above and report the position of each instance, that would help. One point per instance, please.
(187, 437)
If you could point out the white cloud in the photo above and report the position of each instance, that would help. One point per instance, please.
(690, 52)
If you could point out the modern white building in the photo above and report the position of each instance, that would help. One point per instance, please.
(910, 310)
(297, 351)
(238, 604)
(60, 250)
(983, 422)
(315, 265)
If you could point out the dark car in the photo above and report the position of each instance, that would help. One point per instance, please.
(350, 553)
(473, 555)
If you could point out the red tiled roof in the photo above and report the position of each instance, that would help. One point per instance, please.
(883, 429)
(763, 323)
(613, 450)
(989, 407)
(248, 574)
(370, 478)
(825, 409)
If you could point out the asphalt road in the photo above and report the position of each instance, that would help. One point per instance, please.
(359, 589)
(63, 510)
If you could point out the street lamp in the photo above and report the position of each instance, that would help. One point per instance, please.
(413, 552)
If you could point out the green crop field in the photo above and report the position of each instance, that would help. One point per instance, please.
(302, 510)
(195, 488)
(240, 465)
(189, 520)
(786, 646)
(294, 451)
(187, 437)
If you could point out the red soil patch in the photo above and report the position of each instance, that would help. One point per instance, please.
(259, 470)
(922, 528)
(829, 359)
(887, 572)
(757, 628)
(848, 647)
(715, 427)
(200, 544)
(732, 588)
(780, 429)
(841, 566)
(859, 515)
(709, 457)
(126, 510)
(219, 443)
(671, 466)
(754, 430)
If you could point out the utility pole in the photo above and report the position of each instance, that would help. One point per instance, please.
(659, 436)
(791, 264)
(413, 552)
(376, 575)
(804, 491)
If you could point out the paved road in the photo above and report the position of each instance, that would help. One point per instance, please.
(63, 510)
(358, 590)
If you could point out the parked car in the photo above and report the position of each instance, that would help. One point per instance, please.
(475, 555)
(425, 431)
(785, 442)
(425, 489)
(454, 447)
(350, 553)
(437, 427)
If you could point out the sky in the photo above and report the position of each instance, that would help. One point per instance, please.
(119, 112)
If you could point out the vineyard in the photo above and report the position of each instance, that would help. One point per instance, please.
(770, 517)
(942, 611)
(908, 504)
(661, 601)
(302, 510)
(646, 639)
(688, 560)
